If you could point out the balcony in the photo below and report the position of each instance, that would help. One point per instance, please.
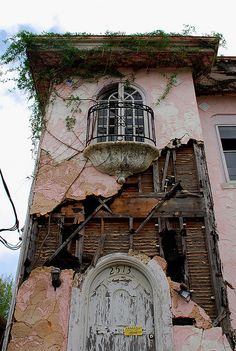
(120, 138)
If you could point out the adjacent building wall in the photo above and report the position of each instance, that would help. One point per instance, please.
(221, 110)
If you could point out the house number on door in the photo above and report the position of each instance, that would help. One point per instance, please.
(120, 269)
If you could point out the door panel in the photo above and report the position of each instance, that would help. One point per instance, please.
(120, 302)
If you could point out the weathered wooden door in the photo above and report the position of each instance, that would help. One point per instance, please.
(120, 311)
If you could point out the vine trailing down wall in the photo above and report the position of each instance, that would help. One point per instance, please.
(16, 57)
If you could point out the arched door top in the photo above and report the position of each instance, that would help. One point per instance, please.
(159, 292)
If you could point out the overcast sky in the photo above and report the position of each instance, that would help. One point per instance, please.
(94, 17)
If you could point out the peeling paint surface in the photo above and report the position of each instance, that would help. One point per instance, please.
(120, 292)
(63, 171)
(181, 308)
(119, 296)
(222, 110)
(41, 314)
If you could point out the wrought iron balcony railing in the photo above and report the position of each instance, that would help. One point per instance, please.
(120, 121)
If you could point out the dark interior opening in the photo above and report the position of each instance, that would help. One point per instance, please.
(183, 321)
(173, 255)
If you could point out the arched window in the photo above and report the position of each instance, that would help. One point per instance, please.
(120, 115)
(121, 118)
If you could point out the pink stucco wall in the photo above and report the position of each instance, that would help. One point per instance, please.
(222, 110)
(188, 338)
(64, 173)
(42, 313)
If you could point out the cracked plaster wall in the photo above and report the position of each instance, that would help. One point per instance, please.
(41, 314)
(188, 338)
(222, 110)
(63, 173)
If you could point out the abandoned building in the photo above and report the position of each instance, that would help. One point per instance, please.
(130, 239)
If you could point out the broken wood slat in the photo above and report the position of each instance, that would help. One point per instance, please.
(183, 234)
(80, 243)
(184, 168)
(165, 170)
(77, 231)
(105, 205)
(174, 163)
(100, 247)
(32, 246)
(160, 229)
(156, 178)
(131, 231)
(166, 198)
(140, 206)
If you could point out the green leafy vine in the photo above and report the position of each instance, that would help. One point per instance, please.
(171, 80)
(22, 44)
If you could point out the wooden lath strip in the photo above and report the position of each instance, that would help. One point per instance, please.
(165, 170)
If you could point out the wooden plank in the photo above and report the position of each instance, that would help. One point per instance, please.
(174, 163)
(165, 170)
(140, 206)
(156, 178)
(184, 250)
(80, 248)
(166, 198)
(131, 231)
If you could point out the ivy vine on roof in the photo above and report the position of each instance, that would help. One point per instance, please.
(17, 59)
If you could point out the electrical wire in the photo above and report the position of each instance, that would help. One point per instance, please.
(10, 246)
(15, 226)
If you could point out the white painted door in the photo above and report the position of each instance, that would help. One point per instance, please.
(120, 311)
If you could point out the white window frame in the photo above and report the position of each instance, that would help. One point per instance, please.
(228, 180)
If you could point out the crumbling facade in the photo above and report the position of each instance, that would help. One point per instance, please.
(123, 203)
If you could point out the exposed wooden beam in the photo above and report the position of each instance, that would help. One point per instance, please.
(165, 170)
(168, 196)
(76, 231)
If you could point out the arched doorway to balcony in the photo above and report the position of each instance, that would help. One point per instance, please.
(120, 115)
(120, 132)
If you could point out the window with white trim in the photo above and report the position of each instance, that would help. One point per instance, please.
(227, 134)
